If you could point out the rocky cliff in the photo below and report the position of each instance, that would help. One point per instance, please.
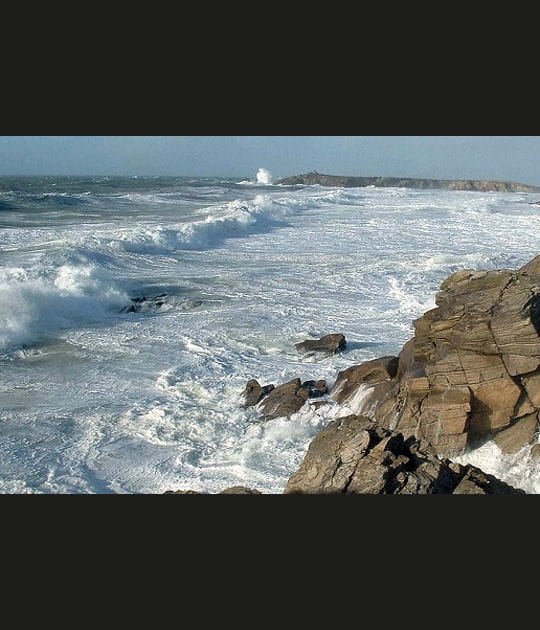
(407, 182)
(470, 373)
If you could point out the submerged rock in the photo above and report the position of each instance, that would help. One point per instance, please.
(471, 370)
(145, 303)
(148, 303)
(354, 455)
(330, 344)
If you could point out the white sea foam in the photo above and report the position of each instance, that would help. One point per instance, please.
(151, 401)
(34, 308)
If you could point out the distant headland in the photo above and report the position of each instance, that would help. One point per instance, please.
(482, 185)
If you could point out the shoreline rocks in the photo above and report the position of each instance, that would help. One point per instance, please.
(354, 455)
(471, 371)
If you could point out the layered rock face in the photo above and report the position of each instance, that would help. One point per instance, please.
(345, 181)
(471, 371)
(353, 455)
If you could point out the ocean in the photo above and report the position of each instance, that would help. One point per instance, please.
(133, 311)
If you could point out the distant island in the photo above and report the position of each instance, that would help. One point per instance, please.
(482, 185)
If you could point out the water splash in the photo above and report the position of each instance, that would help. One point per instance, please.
(264, 176)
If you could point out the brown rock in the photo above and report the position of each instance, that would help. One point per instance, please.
(466, 486)
(353, 455)
(240, 490)
(471, 369)
(329, 344)
(284, 400)
(534, 453)
(369, 373)
(518, 435)
(254, 392)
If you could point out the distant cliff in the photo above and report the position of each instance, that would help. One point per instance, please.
(407, 182)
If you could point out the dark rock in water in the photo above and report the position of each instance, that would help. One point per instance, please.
(144, 303)
(315, 388)
(329, 344)
(187, 305)
(284, 400)
(354, 455)
(240, 490)
(254, 393)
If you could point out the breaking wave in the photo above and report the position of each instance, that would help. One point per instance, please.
(33, 309)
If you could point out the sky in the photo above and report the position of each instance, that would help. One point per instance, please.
(510, 158)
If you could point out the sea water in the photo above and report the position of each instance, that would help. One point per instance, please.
(98, 397)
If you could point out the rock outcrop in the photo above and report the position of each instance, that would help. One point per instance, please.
(346, 181)
(471, 371)
(354, 455)
(329, 344)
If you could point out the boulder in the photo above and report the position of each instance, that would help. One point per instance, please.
(254, 393)
(240, 490)
(329, 344)
(284, 400)
(354, 455)
(471, 371)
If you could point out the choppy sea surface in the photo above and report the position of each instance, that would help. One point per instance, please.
(96, 397)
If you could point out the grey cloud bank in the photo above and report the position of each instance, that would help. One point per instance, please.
(513, 158)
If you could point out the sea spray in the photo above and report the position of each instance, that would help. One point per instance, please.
(264, 176)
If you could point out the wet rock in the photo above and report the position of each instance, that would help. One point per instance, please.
(371, 372)
(534, 453)
(315, 388)
(240, 490)
(254, 392)
(329, 344)
(145, 303)
(354, 455)
(284, 400)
